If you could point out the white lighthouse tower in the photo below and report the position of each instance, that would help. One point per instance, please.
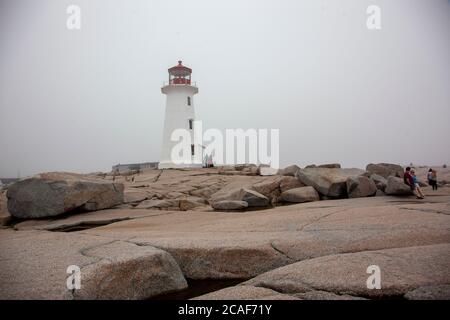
(180, 114)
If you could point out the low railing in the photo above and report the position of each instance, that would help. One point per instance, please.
(193, 83)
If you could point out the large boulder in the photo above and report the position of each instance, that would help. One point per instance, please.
(243, 192)
(230, 205)
(288, 182)
(380, 181)
(302, 194)
(253, 198)
(330, 182)
(385, 169)
(360, 186)
(55, 193)
(270, 188)
(289, 171)
(396, 187)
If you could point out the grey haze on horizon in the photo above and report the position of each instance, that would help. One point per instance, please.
(85, 100)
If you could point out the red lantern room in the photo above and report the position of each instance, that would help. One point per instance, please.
(180, 74)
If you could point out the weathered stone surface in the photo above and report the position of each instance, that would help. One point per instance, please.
(385, 169)
(125, 271)
(242, 245)
(245, 293)
(231, 191)
(330, 165)
(253, 198)
(5, 217)
(380, 181)
(270, 188)
(230, 205)
(435, 292)
(329, 182)
(360, 186)
(133, 196)
(33, 265)
(158, 204)
(189, 203)
(85, 220)
(289, 171)
(396, 187)
(288, 182)
(54, 193)
(403, 270)
(302, 194)
(324, 295)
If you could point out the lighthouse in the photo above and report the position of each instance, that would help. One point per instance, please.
(180, 114)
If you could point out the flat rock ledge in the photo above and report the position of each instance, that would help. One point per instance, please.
(410, 273)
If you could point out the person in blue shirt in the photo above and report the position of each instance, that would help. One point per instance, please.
(416, 184)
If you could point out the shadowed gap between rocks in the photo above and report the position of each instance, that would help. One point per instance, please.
(199, 287)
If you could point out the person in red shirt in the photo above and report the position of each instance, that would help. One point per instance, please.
(409, 180)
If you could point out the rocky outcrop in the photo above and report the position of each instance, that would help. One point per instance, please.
(230, 205)
(299, 195)
(168, 204)
(52, 194)
(244, 192)
(270, 188)
(396, 187)
(289, 171)
(134, 196)
(253, 198)
(380, 182)
(288, 182)
(245, 293)
(34, 266)
(360, 186)
(190, 203)
(385, 169)
(330, 182)
(402, 270)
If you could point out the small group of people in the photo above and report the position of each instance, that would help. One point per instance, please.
(208, 161)
(412, 181)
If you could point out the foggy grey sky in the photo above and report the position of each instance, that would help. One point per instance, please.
(85, 100)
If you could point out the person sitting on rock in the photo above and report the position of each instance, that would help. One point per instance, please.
(409, 180)
(416, 185)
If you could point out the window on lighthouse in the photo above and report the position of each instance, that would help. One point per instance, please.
(189, 101)
(192, 149)
(191, 124)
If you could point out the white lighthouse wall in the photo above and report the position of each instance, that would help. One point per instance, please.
(177, 116)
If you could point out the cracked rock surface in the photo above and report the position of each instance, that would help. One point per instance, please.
(33, 265)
